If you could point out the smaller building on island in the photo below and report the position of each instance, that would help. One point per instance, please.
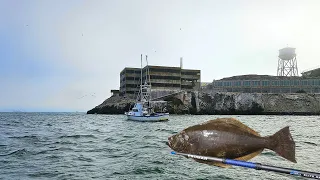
(267, 84)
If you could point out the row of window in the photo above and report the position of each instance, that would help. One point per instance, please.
(138, 71)
(132, 78)
(160, 70)
(165, 85)
(164, 77)
(190, 73)
(131, 85)
(133, 71)
(161, 77)
(175, 71)
(165, 70)
(273, 90)
(310, 82)
(159, 85)
(154, 77)
(186, 87)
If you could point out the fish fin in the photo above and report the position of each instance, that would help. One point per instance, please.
(283, 144)
(221, 165)
(213, 163)
(243, 158)
(236, 123)
(249, 156)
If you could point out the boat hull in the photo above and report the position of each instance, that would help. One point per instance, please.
(151, 118)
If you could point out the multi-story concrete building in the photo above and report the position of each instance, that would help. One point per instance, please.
(267, 84)
(129, 80)
(161, 77)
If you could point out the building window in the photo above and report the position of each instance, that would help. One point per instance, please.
(311, 82)
(256, 83)
(130, 78)
(287, 83)
(237, 83)
(246, 83)
(292, 82)
(275, 83)
(265, 83)
(305, 83)
(226, 83)
(281, 82)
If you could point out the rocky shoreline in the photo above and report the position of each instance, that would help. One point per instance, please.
(223, 103)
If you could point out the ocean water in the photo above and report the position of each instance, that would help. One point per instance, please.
(80, 146)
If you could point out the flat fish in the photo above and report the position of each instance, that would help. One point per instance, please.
(229, 138)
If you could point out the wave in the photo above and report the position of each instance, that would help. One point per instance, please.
(312, 137)
(78, 136)
(148, 170)
(110, 139)
(221, 177)
(98, 130)
(311, 143)
(149, 137)
(31, 137)
(64, 143)
(214, 177)
(62, 149)
(119, 154)
(18, 152)
(146, 146)
(53, 157)
(44, 174)
(167, 130)
(85, 159)
(128, 136)
(157, 162)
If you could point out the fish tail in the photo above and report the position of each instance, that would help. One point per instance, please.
(283, 144)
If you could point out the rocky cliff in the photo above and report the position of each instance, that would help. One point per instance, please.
(259, 103)
(223, 103)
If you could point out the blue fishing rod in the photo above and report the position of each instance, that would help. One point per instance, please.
(253, 165)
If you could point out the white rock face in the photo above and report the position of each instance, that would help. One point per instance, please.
(227, 103)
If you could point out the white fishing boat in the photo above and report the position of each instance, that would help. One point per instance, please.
(144, 109)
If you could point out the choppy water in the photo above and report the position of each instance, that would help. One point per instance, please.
(80, 146)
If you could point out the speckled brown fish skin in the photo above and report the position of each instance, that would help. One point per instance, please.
(229, 138)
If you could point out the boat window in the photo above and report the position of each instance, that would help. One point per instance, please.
(135, 110)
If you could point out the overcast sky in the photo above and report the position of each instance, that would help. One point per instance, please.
(67, 55)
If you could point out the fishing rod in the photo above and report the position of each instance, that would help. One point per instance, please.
(252, 165)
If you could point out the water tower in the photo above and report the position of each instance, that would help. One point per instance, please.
(287, 63)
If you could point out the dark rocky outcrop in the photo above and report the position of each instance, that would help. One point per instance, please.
(116, 104)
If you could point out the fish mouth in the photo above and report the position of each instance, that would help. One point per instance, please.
(167, 143)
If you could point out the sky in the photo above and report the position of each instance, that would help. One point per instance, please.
(67, 55)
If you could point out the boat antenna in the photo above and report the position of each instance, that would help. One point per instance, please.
(141, 79)
(148, 71)
(252, 165)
